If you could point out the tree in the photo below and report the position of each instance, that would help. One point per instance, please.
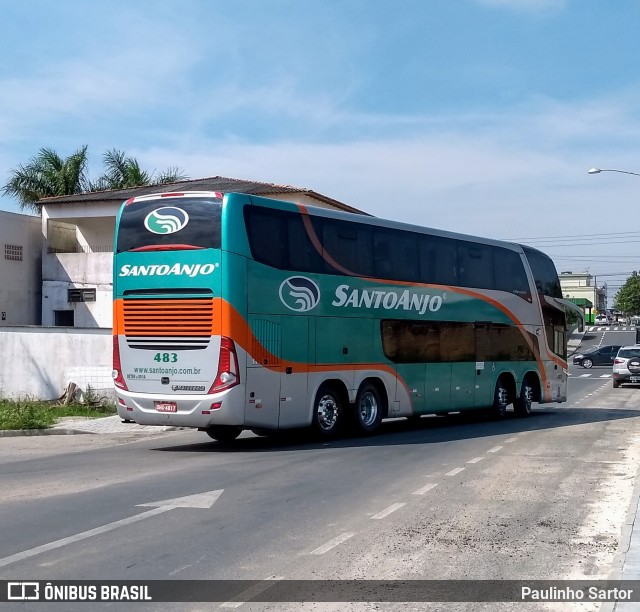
(47, 174)
(122, 172)
(627, 299)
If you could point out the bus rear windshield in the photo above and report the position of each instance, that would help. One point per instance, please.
(170, 223)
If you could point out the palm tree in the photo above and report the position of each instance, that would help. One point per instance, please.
(47, 174)
(122, 172)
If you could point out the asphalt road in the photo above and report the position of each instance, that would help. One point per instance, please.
(453, 498)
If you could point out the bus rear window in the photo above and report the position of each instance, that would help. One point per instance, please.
(170, 223)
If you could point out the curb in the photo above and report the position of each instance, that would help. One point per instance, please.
(12, 433)
(66, 431)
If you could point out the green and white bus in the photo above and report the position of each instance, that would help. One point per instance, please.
(236, 312)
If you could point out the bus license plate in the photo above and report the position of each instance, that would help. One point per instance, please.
(166, 406)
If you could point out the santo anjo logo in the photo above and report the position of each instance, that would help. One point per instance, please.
(166, 220)
(299, 293)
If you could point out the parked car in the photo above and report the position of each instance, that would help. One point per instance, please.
(603, 355)
(602, 320)
(626, 366)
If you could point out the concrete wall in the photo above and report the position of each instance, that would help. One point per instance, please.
(39, 362)
(64, 271)
(20, 278)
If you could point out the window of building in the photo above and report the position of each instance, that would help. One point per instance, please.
(13, 252)
(81, 295)
(63, 318)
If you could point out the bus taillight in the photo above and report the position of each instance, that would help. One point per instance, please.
(118, 379)
(228, 372)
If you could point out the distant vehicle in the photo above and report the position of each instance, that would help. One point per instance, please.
(598, 356)
(602, 320)
(626, 366)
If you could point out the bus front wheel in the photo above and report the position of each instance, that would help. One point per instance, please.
(328, 411)
(368, 409)
(223, 433)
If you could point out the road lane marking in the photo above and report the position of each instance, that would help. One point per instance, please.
(424, 489)
(388, 511)
(32, 552)
(475, 460)
(509, 440)
(454, 472)
(201, 500)
(332, 543)
(495, 449)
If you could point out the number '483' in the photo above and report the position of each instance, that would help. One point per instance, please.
(166, 357)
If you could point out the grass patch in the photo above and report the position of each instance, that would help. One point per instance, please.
(32, 414)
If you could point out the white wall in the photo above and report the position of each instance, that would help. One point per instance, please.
(20, 280)
(39, 362)
(64, 271)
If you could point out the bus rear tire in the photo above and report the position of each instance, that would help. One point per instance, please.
(500, 401)
(368, 409)
(522, 405)
(328, 411)
(223, 433)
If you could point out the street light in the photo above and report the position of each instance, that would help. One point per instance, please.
(599, 170)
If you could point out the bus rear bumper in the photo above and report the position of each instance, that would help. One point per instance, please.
(198, 411)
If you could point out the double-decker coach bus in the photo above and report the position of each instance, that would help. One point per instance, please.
(239, 312)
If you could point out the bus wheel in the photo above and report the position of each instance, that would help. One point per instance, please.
(328, 411)
(500, 401)
(368, 409)
(223, 433)
(522, 405)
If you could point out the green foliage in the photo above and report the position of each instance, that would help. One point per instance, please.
(31, 414)
(122, 172)
(627, 300)
(47, 174)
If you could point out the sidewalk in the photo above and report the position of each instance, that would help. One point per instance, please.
(84, 425)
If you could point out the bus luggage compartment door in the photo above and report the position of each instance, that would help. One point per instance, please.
(277, 372)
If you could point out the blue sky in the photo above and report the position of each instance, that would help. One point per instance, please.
(477, 116)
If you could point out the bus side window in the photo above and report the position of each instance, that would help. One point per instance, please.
(395, 255)
(268, 238)
(475, 263)
(349, 245)
(509, 274)
(438, 260)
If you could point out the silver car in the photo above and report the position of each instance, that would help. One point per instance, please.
(626, 366)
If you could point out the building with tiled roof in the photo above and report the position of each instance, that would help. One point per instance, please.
(79, 231)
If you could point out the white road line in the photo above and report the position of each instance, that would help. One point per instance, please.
(332, 543)
(424, 489)
(495, 449)
(32, 552)
(454, 472)
(585, 375)
(509, 440)
(388, 511)
(605, 376)
(251, 592)
(475, 460)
